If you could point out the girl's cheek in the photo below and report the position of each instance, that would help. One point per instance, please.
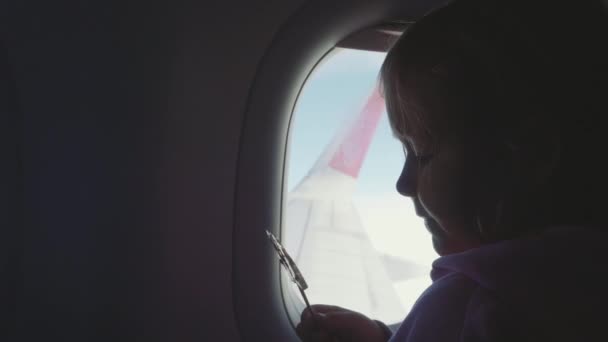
(447, 187)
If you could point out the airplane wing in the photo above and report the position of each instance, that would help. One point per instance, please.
(399, 269)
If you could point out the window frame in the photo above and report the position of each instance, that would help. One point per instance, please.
(295, 51)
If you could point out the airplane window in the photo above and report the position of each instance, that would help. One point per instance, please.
(358, 243)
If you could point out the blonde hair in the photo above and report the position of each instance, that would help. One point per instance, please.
(499, 66)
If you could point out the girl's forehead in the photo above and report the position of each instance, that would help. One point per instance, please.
(422, 108)
(415, 134)
(422, 113)
(424, 123)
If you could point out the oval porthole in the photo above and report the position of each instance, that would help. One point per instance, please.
(357, 242)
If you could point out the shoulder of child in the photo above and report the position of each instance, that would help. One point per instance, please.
(455, 308)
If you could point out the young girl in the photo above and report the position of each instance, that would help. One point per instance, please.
(500, 111)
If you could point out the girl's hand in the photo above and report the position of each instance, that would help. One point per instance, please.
(335, 324)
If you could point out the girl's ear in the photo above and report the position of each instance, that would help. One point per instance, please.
(535, 148)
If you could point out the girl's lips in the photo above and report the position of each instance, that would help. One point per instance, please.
(420, 210)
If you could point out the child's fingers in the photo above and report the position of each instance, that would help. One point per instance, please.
(338, 323)
(307, 316)
(323, 308)
(321, 336)
(320, 309)
(300, 331)
(351, 326)
(308, 324)
(311, 328)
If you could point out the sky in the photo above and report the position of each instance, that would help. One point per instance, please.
(336, 91)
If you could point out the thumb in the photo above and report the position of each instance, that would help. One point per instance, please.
(339, 324)
(352, 326)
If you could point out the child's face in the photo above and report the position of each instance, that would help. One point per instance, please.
(444, 174)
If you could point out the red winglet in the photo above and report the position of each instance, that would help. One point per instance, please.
(351, 152)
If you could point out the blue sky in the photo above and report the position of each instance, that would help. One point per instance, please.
(335, 91)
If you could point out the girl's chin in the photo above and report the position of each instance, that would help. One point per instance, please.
(445, 243)
(433, 227)
(439, 246)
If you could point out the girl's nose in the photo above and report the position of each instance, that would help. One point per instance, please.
(406, 184)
